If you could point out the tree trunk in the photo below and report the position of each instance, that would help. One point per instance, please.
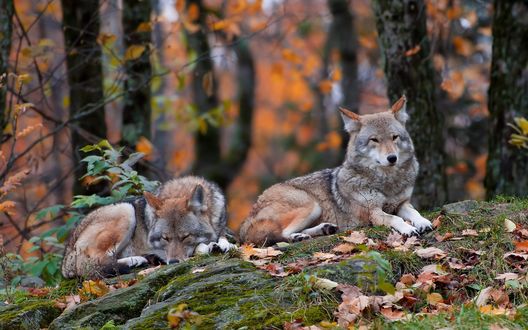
(137, 110)
(6, 28)
(402, 27)
(507, 167)
(81, 28)
(342, 37)
(208, 156)
(242, 139)
(209, 161)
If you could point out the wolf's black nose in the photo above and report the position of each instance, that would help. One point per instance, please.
(392, 159)
(173, 261)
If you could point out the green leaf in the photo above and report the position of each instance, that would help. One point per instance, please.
(49, 212)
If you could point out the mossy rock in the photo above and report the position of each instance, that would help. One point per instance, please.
(31, 314)
(231, 294)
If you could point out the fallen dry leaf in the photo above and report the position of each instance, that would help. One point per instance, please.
(434, 268)
(148, 271)
(198, 270)
(509, 226)
(96, 288)
(482, 298)
(445, 237)
(437, 221)
(248, 252)
(434, 299)
(408, 279)
(431, 252)
(507, 276)
(394, 239)
(344, 248)
(392, 314)
(458, 264)
(324, 256)
(324, 283)
(356, 237)
(521, 246)
(469, 232)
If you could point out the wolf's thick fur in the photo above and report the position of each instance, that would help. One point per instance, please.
(373, 185)
(188, 215)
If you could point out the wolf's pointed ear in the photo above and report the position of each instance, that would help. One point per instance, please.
(352, 120)
(196, 203)
(399, 109)
(152, 200)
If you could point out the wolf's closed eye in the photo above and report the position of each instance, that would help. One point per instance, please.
(374, 140)
(394, 137)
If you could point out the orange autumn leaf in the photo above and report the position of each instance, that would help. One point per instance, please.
(144, 146)
(193, 12)
(521, 246)
(454, 85)
(325, 86)
(413, 51)
(290, 56)
(462, 46)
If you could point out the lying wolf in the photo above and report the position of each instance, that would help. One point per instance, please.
(187, 216)
(373, 185)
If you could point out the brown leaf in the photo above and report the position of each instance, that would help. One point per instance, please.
(445, 237)
(507, 276)
(469, 232)
(431, 252)
(344, 248)
(483, 296)
(324, 256)
(437, 221)
(392, 314)
(408, 279)
(356, 237)
(434, 299)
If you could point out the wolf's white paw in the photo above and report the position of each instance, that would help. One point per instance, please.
(134, 261)
(297, 237)
(222, 246)
(201, 248)
(422, 224)
(405, 229)
(328, 228)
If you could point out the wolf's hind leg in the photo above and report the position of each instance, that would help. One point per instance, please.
(321, 229)
(378, 217)
(301, 218)
(408, 212)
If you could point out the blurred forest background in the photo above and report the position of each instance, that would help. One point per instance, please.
(245, 93)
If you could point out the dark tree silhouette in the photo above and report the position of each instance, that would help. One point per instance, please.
(6, 29)
(209, 161)
(85, 78)
(507, 168)
(137, 110)
(402, 27)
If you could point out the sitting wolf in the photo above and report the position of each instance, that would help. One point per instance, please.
(187, 216)
(373, 185)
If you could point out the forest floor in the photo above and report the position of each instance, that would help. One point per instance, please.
(468, 273)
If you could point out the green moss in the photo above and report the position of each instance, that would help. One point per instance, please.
(306, 249)
(32, 314)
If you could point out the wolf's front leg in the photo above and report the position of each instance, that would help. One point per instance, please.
(408, 212)
(380, 218)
